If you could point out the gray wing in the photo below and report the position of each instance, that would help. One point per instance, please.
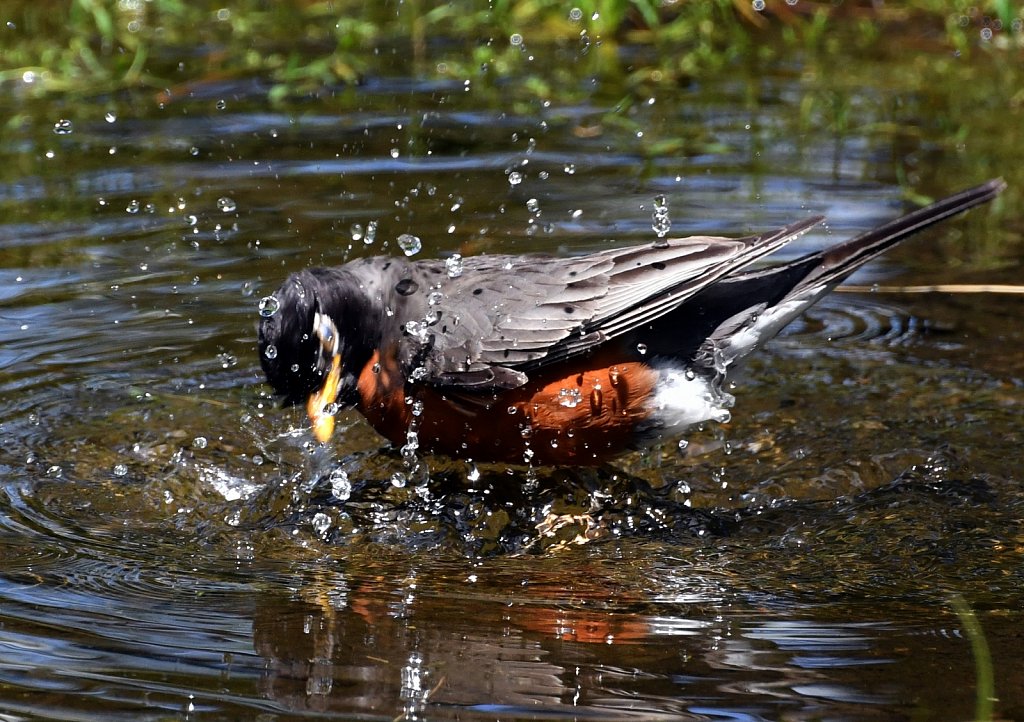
(505, 316)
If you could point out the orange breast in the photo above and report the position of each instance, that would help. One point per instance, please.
(581, 413)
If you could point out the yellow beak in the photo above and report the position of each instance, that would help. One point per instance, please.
(318, 406)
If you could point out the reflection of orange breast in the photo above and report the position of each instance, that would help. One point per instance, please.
(582, 413)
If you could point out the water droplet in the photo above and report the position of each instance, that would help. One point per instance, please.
(222, 104)
(683, 443)
(321, 524)
(227, 205)
(661, 223)
(270, 351)
(199, 442)
(417, 408)
(371, 233)
(474, 473)
(356, 231)
(418, 374)
(570, 398)
(341, 487)
(569, 168)
(515, 40)
(394, 152)
(120, 470)
(133, 206)
(453, 265)
(398, 480)
(575, 15)
(515, 178)
(511, 410)
(410, 244)
(533, 205)
(641, 349)
(110, 117)
(63, 127)
(269, 305)
(758, 5)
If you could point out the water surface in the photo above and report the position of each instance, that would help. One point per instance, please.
(174, 546)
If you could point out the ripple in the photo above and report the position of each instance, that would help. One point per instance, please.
(854, 318)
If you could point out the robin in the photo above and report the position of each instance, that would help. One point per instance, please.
(545, 360)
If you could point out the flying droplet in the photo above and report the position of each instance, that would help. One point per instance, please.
(199, 442)
(269, 305)
(341, 487)
(133, 206)
(270, 352)
(410, 244)
(641, 349)
(321, 524)
(226, 204)
(111, 117)
(515, 178)
(660, 222)
(63, 127)
(453, 265)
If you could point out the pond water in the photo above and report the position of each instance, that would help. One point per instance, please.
(849, 546)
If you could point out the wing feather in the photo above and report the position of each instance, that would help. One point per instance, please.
(506, 316)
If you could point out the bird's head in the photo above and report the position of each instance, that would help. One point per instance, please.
(306, 358)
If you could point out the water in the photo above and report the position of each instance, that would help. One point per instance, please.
(173, 546)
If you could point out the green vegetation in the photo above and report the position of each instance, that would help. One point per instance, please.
(93, 46)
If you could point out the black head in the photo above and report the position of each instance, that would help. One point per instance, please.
(308, 322)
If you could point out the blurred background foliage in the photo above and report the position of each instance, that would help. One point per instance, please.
(945, 75)
(301, 46)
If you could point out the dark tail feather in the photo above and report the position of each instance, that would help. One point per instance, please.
(837, 262)
(734, 302)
